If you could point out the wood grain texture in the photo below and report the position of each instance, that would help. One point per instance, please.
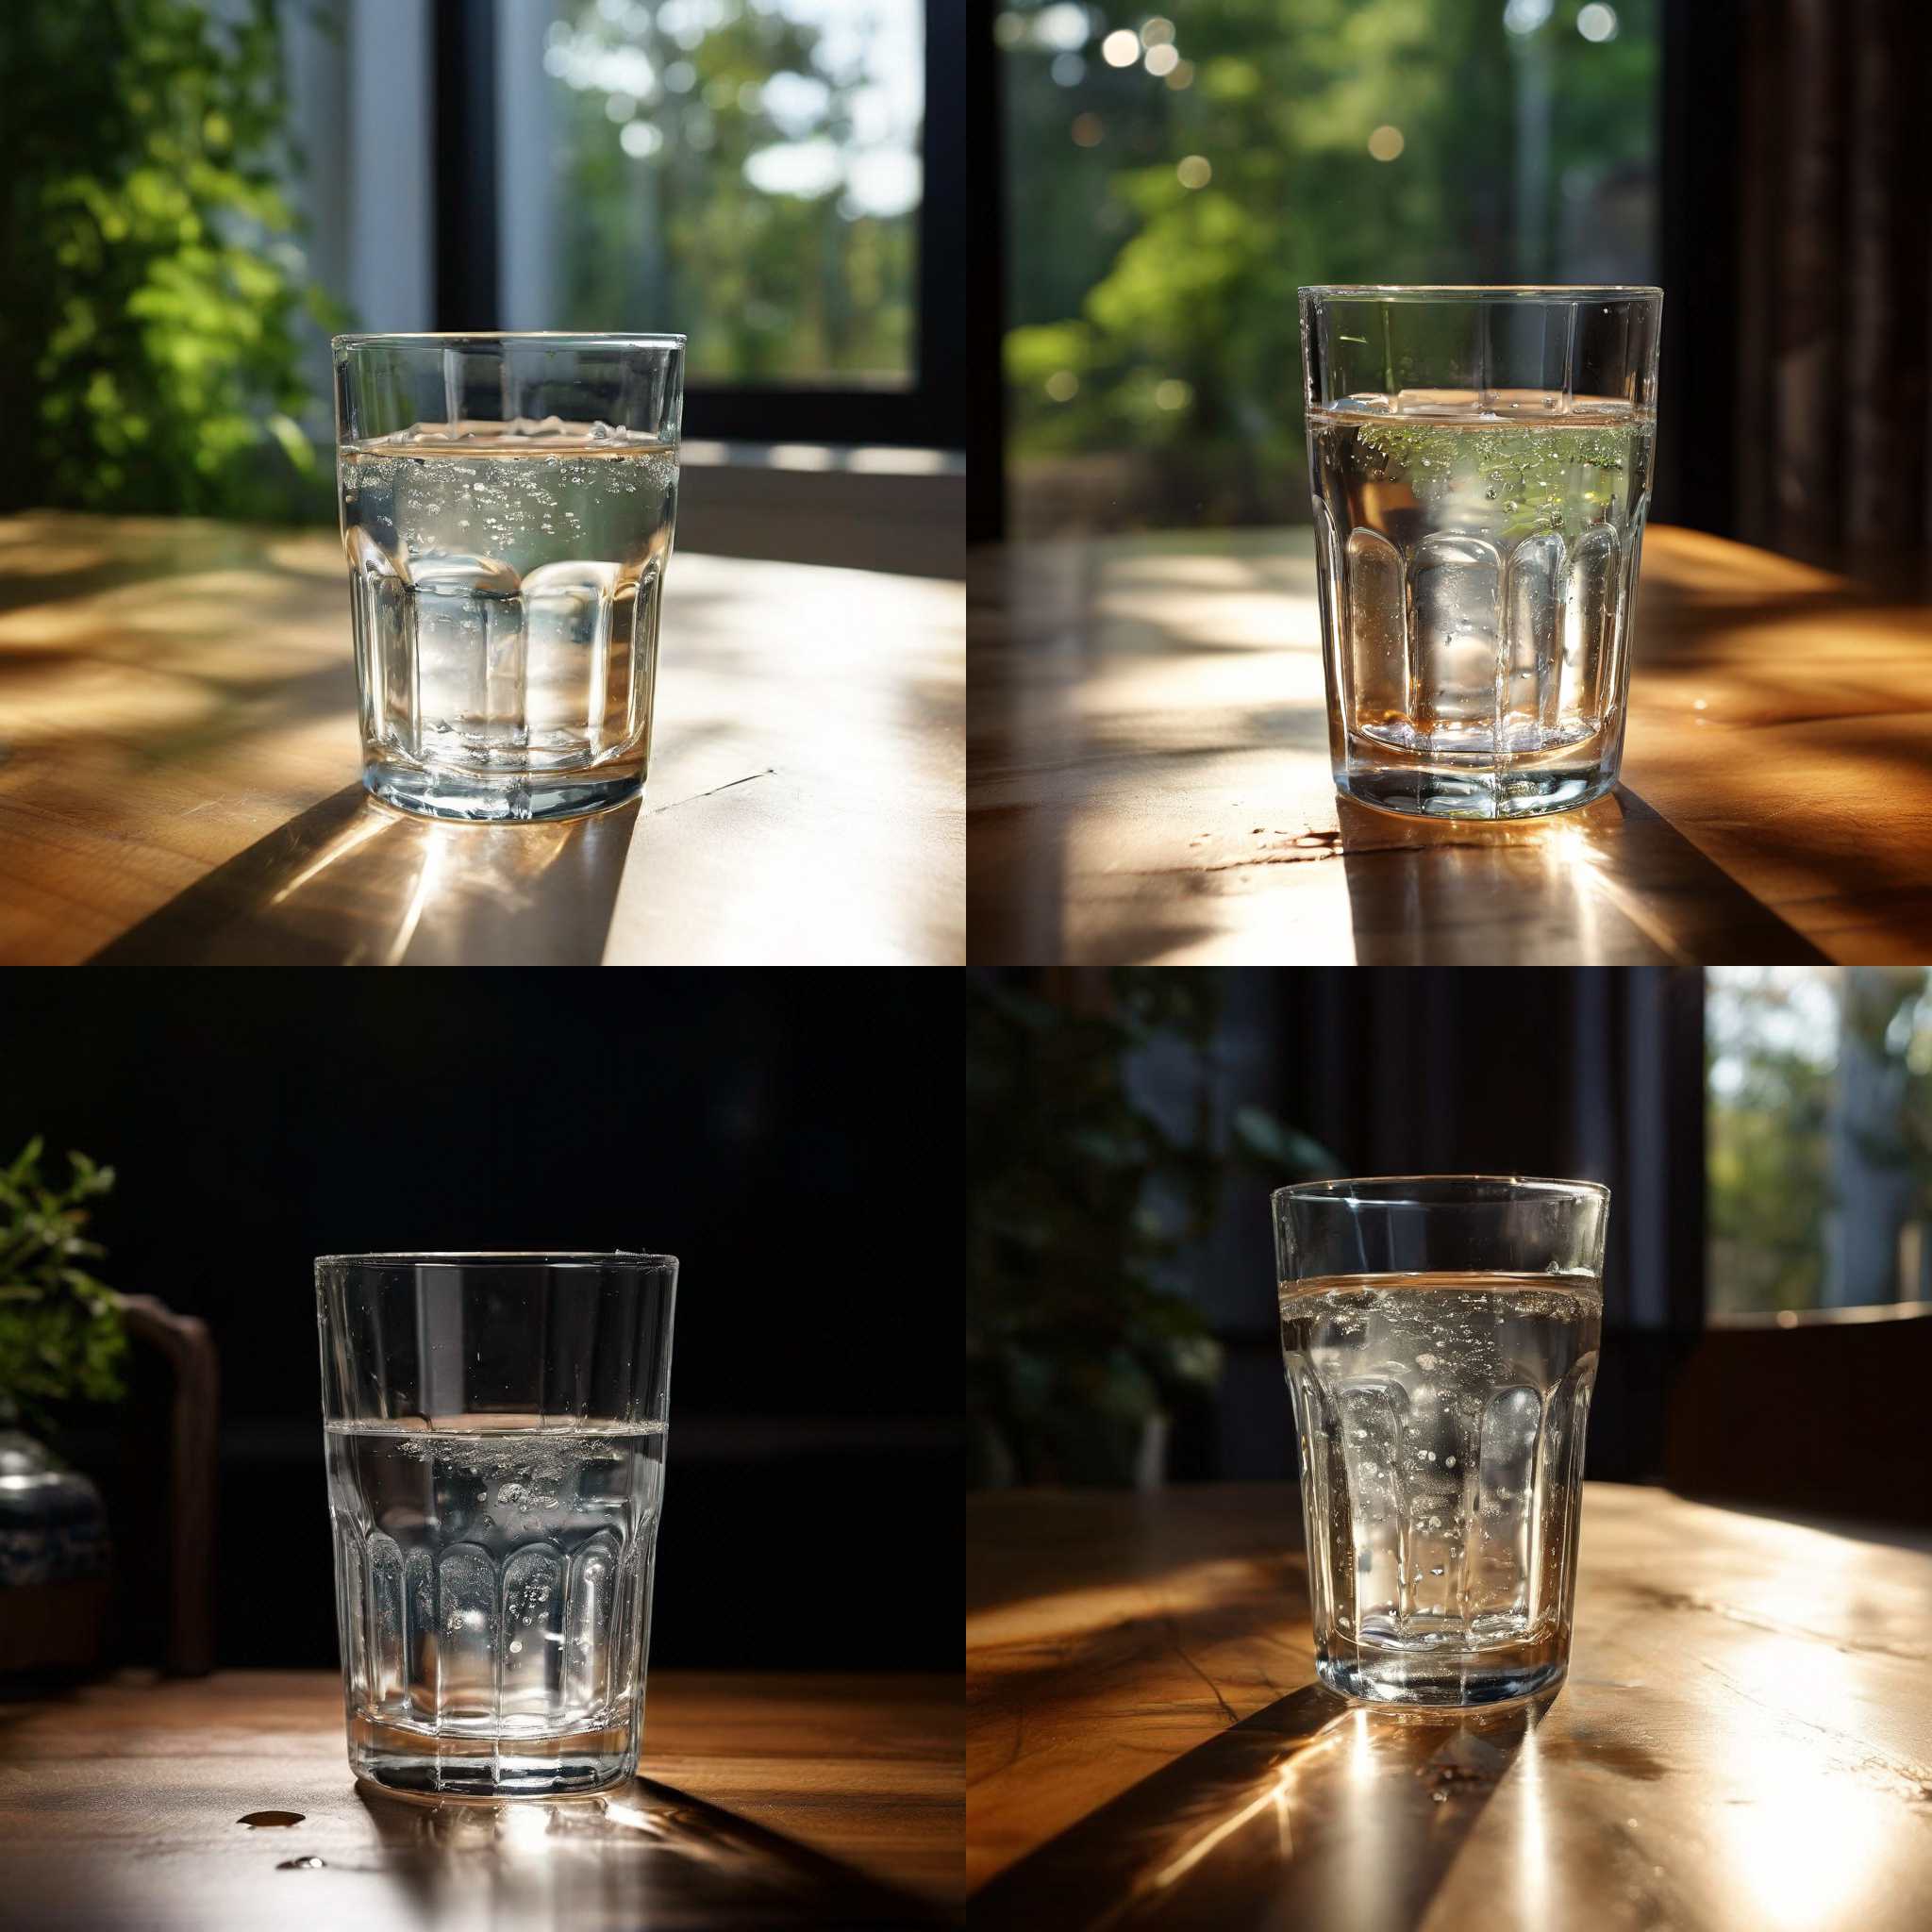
(179, 773)
(1150, 778)
(772, 1801)
(1744, 1740)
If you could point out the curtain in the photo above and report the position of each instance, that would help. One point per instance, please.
(1592, 1073)
(1834, 411)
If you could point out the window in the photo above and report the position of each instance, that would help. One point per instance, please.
(1171, 182)
(1820, 1138)
(755, 173)
(750, 177)
(760, 174)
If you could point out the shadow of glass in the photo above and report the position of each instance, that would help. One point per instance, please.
(1312, 1812)
(644, 1856)
(1609, 884)
(353, 883)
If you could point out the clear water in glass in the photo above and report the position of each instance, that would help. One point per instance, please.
(1441, 1419)
(494, 1599)
(1478, 555)
(506, 580)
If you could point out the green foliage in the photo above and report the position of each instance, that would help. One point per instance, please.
(1775, 1041)
(768, 286)
(60, 1330)
(1889, 1010)
(155, 296)
(1081, 1203)
(1768, 1163)
(1173, 309)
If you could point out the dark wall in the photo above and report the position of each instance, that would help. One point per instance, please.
(1589, 1075)
(791, 1137)
(1826, 1416)
(1585, 1074)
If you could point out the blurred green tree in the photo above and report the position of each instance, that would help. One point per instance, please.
(770, 283)
(1821, 1106)
(154, 287)
(1162, 223)
(1770, 1072)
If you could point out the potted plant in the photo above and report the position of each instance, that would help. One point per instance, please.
(1082, 1339)
(62, 1339)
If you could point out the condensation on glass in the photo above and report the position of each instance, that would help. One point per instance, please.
(1481, 462)
(507, 510)
(1440, 1338)
(495, 1429)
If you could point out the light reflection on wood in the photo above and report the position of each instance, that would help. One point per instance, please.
(177, 701)
(770, 1801)
(1745, 1739)
(1151, 775)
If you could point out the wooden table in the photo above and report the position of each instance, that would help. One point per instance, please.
(179, 765)
(1150, 782)
(769, 1801)
(1744, 1742)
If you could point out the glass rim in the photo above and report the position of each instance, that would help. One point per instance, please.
(1349, 1188)
(501, 1257)
(1500, 291)
(590, 339)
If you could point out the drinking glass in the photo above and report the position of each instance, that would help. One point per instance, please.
(495, 1433)
(508, 503)
(1480, 461)
(1439, 1336)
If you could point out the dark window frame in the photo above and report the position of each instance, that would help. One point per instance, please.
(984, 246)
(1701, 85)
(928, 412)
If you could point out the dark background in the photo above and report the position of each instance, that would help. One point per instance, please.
(1594, 1073)
(1590, 1074)
(785, 1134)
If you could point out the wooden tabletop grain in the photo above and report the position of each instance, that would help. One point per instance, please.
(179, 773)
(1150, 782)
(767, 1801)
(1744, 1742)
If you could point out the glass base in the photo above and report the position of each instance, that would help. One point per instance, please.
(419, 1764)
(1413, 791)
(1442, 1681)
(494, 797)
